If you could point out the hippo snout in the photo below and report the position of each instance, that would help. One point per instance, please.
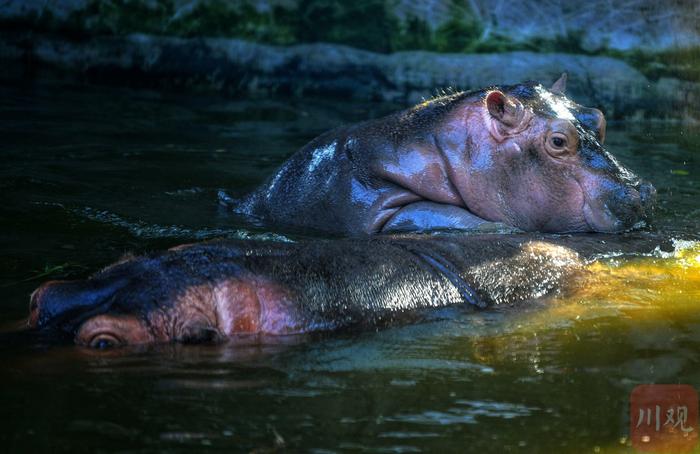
(632, 204)
(49, 301)
(644, 202)
(647, 193)
(60, 304)
(35, 304)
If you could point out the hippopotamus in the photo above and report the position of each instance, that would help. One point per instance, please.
(255, 290)
(520, 155)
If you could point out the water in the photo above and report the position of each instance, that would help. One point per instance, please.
(89, 174)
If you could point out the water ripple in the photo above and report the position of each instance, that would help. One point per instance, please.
(142, 229)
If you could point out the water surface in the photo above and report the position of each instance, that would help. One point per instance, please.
(89, 174)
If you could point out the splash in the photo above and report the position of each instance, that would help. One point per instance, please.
(660, 279)
(620, 290)
(622, 305)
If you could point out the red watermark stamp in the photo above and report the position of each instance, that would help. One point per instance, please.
(664, 418)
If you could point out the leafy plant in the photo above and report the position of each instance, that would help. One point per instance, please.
(366, 24)
(459, 32)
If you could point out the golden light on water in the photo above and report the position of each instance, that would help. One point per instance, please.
(661, 280)
(659, 286)
(628, 317)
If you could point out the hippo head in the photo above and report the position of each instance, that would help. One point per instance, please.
(187, 294)
(135, 301)
(538, 163)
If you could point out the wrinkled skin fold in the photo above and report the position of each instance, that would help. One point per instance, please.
(520, 155)
(222, 290)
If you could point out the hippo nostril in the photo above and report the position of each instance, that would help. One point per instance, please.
(50, 301)
(34, 305)
(61, 304)
(647, 192)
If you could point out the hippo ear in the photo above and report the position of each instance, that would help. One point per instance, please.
(503, 108)
(560, 85)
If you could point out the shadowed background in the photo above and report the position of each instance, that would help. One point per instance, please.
(632, 58)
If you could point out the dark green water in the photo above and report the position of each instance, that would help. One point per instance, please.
(88, 174)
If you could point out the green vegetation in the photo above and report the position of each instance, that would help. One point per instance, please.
(414, 34)
(220, 20)
(212, 19)
(679, 63)
(365, 24)
(54, 271)
(124, 15)
(459, 33)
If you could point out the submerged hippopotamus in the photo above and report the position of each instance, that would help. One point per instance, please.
(232, 289)
(521, 155)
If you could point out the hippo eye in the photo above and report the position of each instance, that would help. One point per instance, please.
(104, 341)
(558, 142)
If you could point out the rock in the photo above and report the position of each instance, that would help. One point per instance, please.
(614, 24)
(13, 9)
(241, 67)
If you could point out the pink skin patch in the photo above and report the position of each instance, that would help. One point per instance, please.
(255, 305)
(235, 308)
(245, 306)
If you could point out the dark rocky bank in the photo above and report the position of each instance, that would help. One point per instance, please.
(238, 67)
(633, 59)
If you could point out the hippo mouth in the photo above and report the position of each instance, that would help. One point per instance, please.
(601, 220)
(598, 217)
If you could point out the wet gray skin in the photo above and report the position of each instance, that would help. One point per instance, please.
(262, 291)
(521, 155)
